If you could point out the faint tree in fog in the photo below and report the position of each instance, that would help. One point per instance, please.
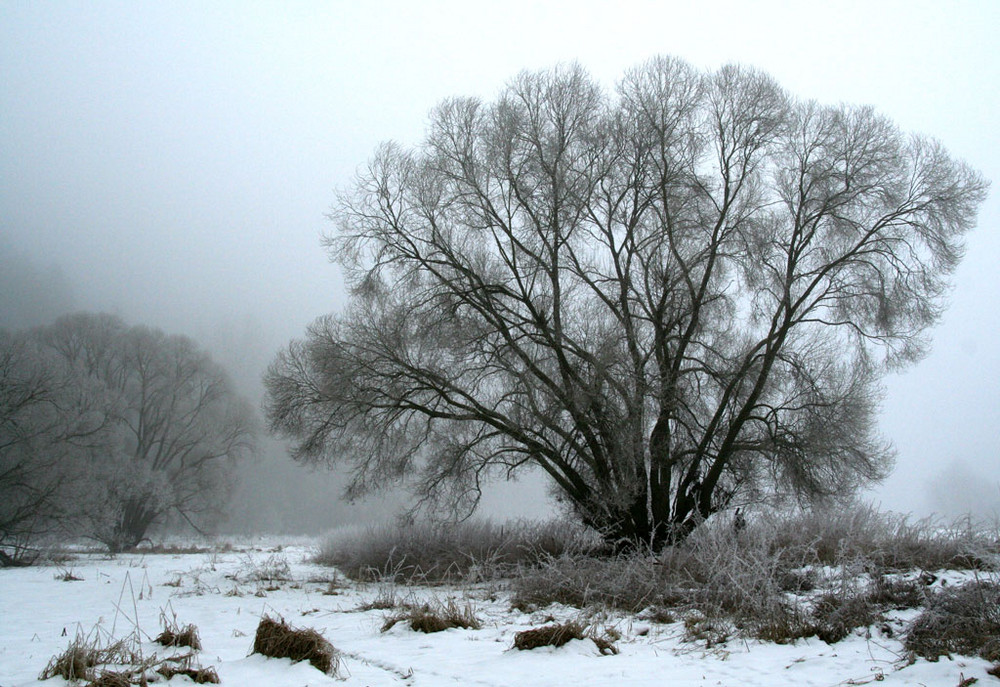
(671, 299)
(175, 427)
(48, 418)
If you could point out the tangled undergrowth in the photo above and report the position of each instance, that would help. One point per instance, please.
(822, 573)
(961, 620)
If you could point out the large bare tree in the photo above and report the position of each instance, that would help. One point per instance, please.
(671, 299)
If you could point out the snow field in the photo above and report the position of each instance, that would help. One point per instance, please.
(225, 594)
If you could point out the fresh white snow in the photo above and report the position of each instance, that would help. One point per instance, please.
(218, 592)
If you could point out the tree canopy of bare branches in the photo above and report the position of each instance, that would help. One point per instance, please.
(44, 418)
(671, 298)
(136, 425)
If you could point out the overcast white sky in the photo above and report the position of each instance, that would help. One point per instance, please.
(173, 161)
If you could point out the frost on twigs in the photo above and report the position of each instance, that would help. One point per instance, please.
(964, 620)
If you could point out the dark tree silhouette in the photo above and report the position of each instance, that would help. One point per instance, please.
(670, 299)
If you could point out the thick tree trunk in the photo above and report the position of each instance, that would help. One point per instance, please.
(130, 530)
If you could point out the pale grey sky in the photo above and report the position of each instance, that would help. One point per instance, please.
(172, 161)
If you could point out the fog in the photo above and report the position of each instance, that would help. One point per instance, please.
(172, 163)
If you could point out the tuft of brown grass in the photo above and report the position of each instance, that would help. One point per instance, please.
(174, 634)
(429, 618)
(200, 676)
(184, 636)
(559, 634)
(83, 654)
(112, 678)
(277, 639)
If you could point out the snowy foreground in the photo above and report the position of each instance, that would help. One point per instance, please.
(225, 594)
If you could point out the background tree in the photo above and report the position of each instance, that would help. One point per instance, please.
(46, 419)
(172, 427)
(669, 299)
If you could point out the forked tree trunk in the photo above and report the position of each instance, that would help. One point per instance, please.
(133, 523)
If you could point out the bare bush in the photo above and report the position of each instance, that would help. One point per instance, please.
(629, 583)
(763, 580)
(889, 541)
(963, 620)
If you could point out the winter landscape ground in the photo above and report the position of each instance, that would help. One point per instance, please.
(225, 590)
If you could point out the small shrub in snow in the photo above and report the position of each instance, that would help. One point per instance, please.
(275, 568)
(385, 600)
(837, 614)
(112, 678)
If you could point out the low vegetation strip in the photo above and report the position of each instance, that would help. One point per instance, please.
(777, 577)
(426, 553)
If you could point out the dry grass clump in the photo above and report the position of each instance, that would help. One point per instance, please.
(120, 664)
(962, 620)
(200, 676)
(710, 631)
(559, 634)
(898, 594)
(112, 678)
(180, 636)
(430, 618)
(385, 600)
(431, 553)
(277, 639)
(68, 576)
(84, 654)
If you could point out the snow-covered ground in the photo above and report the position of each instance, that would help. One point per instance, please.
(218, 592)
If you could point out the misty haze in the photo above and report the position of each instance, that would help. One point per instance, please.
(449, 294)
